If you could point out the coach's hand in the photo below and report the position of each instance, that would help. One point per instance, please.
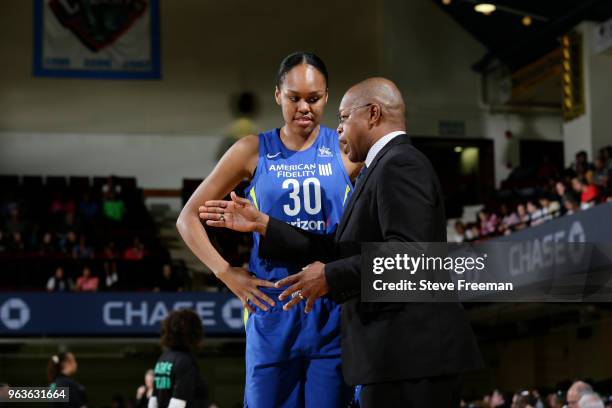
(310, 284)
(246, 287)
(238, 215)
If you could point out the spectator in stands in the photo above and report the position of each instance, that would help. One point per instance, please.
(571, 203)
(48, 245)
(136, 252)
(17, 244)
(588, 192)
(60, 371)
(68, 242)
(581, 165)
(523, 216)
(472, 232)
(111, 278)
(87, 282)
(59, 282)
(497, 399)
(459, 232)
(590, 401)
(145, 391)
(606, 155)
(169, 282)
(111, 187)
(14, 223)
(82, 250)
(550, 207)
(488, 222)
(61, 207)
(535, 213)
(113, 207)
(576, 391)
(554, 401)
(4, 390)
(508, 220)
(600, 172)
(88, 209)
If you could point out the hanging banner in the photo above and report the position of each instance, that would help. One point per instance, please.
(113, 39)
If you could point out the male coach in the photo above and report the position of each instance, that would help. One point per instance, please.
(403, 354)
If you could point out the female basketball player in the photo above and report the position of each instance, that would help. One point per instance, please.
(60, 371)
(298, 174)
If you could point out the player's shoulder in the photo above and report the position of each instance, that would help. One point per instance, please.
(245, 147)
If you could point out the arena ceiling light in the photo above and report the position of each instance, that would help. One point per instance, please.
(485, 8)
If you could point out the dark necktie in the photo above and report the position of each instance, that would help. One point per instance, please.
(359, 178)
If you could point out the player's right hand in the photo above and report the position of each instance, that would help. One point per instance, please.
(238, 214)
(246, 287)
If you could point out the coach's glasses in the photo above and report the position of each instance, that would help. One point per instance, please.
(343, 117)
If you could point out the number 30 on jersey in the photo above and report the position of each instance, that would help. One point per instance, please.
(312, 199)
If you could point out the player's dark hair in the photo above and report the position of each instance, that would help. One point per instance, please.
(181, 330)
(297, 58)
(55, 365)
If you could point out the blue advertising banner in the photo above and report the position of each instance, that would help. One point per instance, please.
(97, 39)
(122, 314)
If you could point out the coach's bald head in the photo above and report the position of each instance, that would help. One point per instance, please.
(368, 111)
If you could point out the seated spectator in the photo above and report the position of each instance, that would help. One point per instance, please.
(550, 207)
(87, 282)
(17, 244)
(588, 192)
(472, 232)
(606, 155)
(82, 250)
(576, 391)
(113, 207)
(110, 263)
(600, 173)
(497, 399)
(571, 203)
(110, 277)
(508, 221)
(68, 242)
(111, 187)
(48, 246)
(14, 223)
(169, 282)
(554, 401)
(488, 222)
(536, 215)
(136, 252)
(110, 252)
(590, 401)
(523, 216)
(88, 209)
(459, 232)
(59, 282)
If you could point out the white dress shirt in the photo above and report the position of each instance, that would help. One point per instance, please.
(380, 143)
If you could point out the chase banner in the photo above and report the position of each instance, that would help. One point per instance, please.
(113, 314)
(115, 39)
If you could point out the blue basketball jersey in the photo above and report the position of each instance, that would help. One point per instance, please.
(307, 189)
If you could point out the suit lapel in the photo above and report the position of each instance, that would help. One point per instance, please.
(360, 186)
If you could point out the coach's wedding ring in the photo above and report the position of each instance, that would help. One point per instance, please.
(221, 218)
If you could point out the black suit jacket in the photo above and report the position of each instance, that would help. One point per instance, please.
(398, 199)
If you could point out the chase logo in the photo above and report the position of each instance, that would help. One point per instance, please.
(14, 313)
(325, 152)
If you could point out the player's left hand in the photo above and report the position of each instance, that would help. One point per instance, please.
(309, 284)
